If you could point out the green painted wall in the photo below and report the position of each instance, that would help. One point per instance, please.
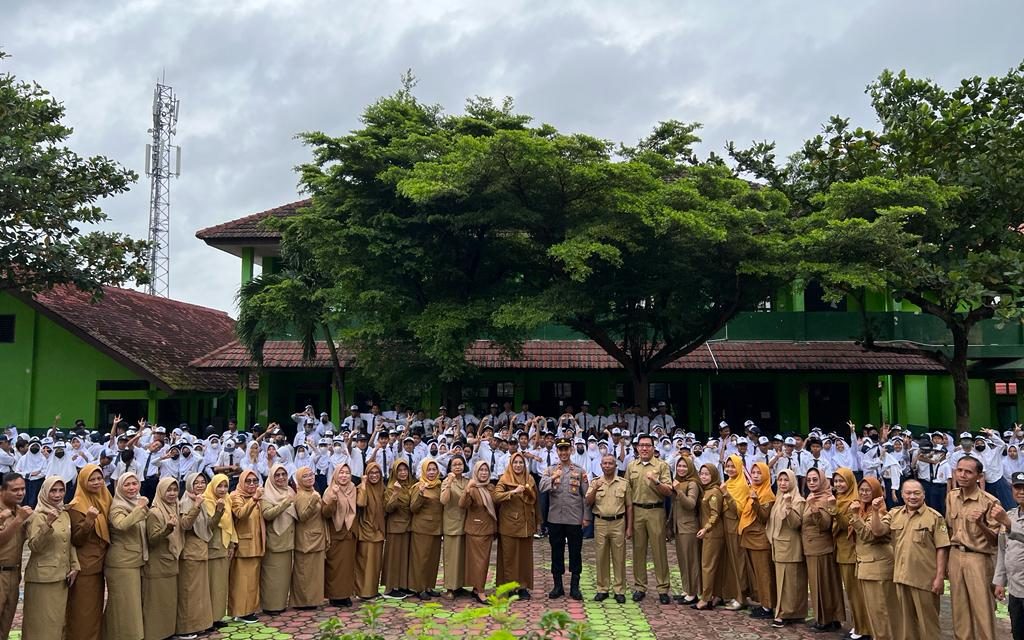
(49, 371)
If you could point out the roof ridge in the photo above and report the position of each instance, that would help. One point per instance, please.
(163, 300)
(250, 217)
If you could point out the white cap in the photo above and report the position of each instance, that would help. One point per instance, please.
(790, 441)
(966, 436)
(354, 407)
(722, 424)
(762, 440)
(748, 423)
(740, 441)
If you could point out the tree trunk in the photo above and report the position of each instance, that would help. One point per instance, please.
(961, 384)
(641, 388)
(337, 374)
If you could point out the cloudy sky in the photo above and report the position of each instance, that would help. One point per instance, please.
(252, 73)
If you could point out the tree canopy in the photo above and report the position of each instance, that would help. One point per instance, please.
(929, 208)
(435, 230)
(47, 193)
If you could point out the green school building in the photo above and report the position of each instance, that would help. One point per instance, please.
(790, 364)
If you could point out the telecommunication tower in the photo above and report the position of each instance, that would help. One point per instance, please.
(160, 170)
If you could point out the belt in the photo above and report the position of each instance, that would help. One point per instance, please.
(653, 505)
(611, 518)
(963, 549)
(12, 568)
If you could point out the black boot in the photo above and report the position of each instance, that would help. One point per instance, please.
(558, 591)
(574, 587)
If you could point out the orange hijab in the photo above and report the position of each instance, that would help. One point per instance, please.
(101, 500)
(763, 491)
(876, 492)
(739, 489)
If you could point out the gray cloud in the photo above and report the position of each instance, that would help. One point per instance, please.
(251, 74)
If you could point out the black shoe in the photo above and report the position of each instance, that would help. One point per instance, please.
(621, 599)
(574, 587)
(423, 595)
(408, 592)
(523, 594)
(558, 590)
(601, 597)
(761, 613)
(249, 619)
(779, 624)
(823, 628)
(220, 624)
(433, 593)
(664, 599)
(396, 594)
(267, 612)
(639, 595)
(688, 601)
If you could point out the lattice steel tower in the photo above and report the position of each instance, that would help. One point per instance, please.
(160, 170)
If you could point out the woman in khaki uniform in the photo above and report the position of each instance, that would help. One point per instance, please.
(754, 540)
(845, 484)
(397, 497)
(784, 526)
(712, 537)
(244, 579)
(310, 543)
(875, 560)
(160, 573)
(427, 512)
(52, 564)
(819, 550)
(195, 613)
(278, 505)
(370, 532)
(685, 522)
(122, 567)
(454, 526)
(738, 515)
(481, 524)
(217, 507)
(90, 533)
(339, 508)
(516, 492)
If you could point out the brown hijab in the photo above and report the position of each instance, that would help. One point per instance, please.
(482, 491)
(345, 507)
(370, 497)
(167, 511)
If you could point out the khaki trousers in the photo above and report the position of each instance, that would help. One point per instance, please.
(610, 541)
(970, 589)
(878, 596)
(919, 611)
(688, 558)
(649, 530)
(9, 583)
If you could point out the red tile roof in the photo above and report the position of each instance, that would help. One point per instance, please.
(249, 227)
(156, 337)
(584, 354)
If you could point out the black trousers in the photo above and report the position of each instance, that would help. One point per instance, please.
(558, 535)
(1016, 607)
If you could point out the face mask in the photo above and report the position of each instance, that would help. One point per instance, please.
(214, 446)
(127, 456)
(186, 453)
(59, 453)
(323, 448)
(580, 449)
(34, 449)
(979, 447)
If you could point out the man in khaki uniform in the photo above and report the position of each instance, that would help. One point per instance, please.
(974, 535)
(649, 484)
(12, 542)
(609, 498)
(920, 541)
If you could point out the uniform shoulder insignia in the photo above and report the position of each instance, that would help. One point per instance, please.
(713, 499)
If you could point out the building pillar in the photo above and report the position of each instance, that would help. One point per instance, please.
(242, 401)
(263, 400)
(248, 260)
(152, 406)
(337, 402)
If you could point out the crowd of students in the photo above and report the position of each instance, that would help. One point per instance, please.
(237, 525)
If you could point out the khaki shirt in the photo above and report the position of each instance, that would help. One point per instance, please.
(640, 489)
(12, 550)
(964, 532)
(915, 537)
(566, 504)
(611, 498)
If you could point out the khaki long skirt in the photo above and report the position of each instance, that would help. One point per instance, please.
(195, 613)
(43, 617)
(308, 579)
(478, 561)
(762, 577)
(688, 557)
(851, 587)
(791, 587)
(426, 550)
(85, 602)
(218, 570)
(454, 562)
(516, 560)
(879, 596)
(369, 561)
(275, 580)
(340, 576)
(712, 569)
(160, 602)
(734, 564)
(826, 589)
(500, 577)
(396, 561)
(244, 586)
(122, 619)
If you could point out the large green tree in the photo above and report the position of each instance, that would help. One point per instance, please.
(437, 230)
(47, 193)
(930, 208)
